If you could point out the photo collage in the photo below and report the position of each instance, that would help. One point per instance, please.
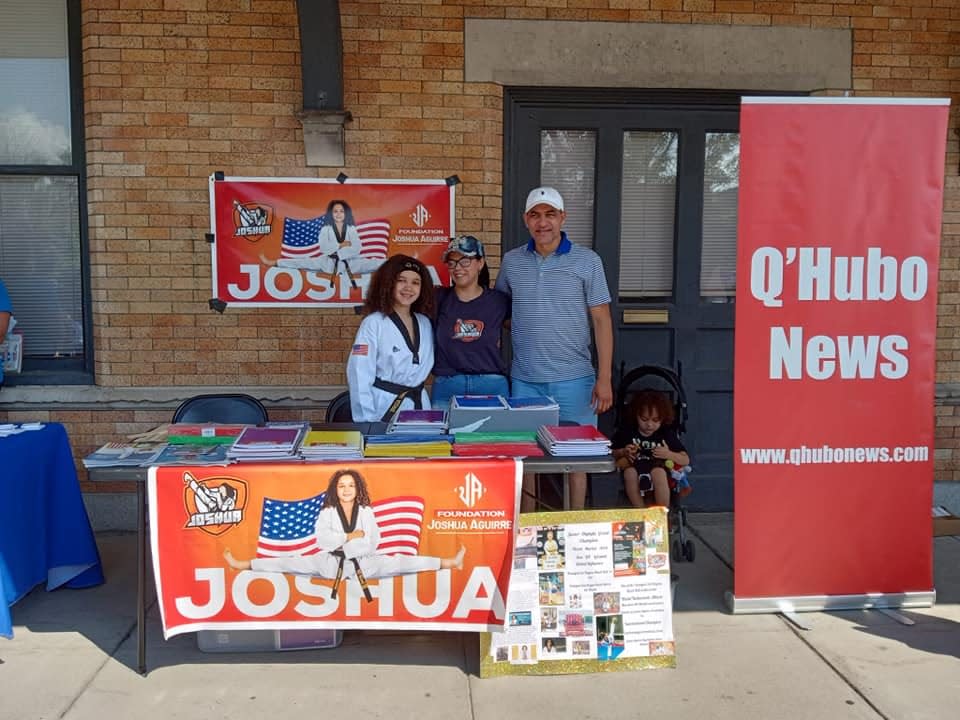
(588, 591)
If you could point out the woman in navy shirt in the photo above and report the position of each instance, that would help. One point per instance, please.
(470, 317)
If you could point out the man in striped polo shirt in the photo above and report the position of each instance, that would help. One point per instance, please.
(558, 290)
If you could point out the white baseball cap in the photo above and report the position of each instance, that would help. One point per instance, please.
(545, 196)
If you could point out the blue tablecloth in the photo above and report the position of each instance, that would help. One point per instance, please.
(45, 534)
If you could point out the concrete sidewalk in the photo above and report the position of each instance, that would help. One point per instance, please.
(74, 656)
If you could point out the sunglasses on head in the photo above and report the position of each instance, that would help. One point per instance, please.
(411, 265)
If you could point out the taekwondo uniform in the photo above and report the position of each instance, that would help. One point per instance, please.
(385, 364)
(329, 244)
(332, 535)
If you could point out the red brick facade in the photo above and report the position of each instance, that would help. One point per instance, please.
(175, 89)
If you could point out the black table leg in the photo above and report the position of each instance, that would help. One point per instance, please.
(141, 578)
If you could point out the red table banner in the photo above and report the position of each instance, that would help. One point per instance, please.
(837, 260)
(273, 240)
(256, 546)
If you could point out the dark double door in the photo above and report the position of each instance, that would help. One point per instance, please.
(650, 183)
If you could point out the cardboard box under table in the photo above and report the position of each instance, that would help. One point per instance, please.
(266, 640)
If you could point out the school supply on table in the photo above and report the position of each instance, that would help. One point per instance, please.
(203, 433)
(419, 422)
(574, 440)
(332, 445)
(268, 443)
(402, 445)
(16, 428)
(502, 449)
(191, 455)
(495, 413)
(115, 454)
(507, 436)
(539, 402)
(517, 443)
(478, 401)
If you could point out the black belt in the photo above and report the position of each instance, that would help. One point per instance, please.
(401, 392)
(336, 264)
(360, 577)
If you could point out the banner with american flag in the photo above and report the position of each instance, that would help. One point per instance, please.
(432, 541)
(287, 527)
(308, 242)
(301, 238)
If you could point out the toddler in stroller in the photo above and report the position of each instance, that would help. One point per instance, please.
(647, 447)
(649, 424)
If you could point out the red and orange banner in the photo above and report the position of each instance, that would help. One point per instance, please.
(274, 245)
(259, 546)
(838, 252)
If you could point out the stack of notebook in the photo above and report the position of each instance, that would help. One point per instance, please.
(192, 454)
(482, 402)
(569, 440)
(332, 445)
(203, 433)
(407, 445)
(115, 454)
(529, 404)
(517, 443)
(418, 422)
(271, 443)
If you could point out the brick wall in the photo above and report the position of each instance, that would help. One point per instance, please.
(175, 89)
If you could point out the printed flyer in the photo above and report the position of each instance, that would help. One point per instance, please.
(590, 592)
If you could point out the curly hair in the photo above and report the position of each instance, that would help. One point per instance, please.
(347, 212)
(380, 292)
(653, 401)
(363, 495)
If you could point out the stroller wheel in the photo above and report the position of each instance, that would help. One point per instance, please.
(676, 551)
(689, 551)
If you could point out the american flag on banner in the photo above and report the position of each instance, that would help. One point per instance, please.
(287, 526)
(301, 238)
(374, 237)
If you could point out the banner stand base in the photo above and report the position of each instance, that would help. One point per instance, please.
(815, 603)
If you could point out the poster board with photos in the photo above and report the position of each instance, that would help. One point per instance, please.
(590, 592)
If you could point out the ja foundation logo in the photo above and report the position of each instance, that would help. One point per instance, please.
(420, 216)
(471, 491)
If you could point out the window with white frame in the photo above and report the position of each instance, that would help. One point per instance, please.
(41, 188)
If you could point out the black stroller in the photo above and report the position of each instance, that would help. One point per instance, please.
(640, 378)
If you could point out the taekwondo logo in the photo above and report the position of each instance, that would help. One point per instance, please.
(215, 504)
(420, 216)
(471, 491)
(467, 330)
(252, 220)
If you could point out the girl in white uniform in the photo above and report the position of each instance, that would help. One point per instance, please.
(347, 536)
(392, 354)
(339, 241)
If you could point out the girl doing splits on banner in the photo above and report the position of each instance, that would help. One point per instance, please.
(392, 354)
(347, 535)
(340, 244)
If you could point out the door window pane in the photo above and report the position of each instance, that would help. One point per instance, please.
(721, 184)
(568, 161)
(647, 211)
(34, 83)
(40, 261)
